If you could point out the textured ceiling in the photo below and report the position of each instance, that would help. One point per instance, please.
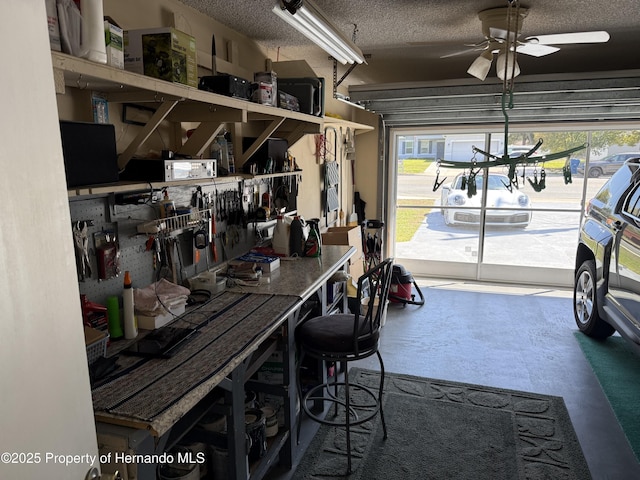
(406, 38)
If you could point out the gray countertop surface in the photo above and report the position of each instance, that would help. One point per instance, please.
(301, 276)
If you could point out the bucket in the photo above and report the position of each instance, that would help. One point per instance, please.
(271, 421)
(255, 424)
(168, 471)
(214, 423)
(179, 470)
(220, 462)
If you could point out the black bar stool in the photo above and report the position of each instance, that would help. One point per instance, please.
(344, 338)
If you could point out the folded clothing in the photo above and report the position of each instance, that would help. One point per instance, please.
(152, 299)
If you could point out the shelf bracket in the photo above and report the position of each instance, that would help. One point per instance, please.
(202, 136)
(163, 110)
(337, 82)
(273, 126)
(297, 133)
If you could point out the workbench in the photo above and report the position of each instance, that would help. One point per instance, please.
(237, 330)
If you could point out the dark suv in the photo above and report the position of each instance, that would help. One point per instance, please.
(606, 293)
(607, 165)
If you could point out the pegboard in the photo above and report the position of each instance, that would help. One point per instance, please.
(104, 215)
(121, 220)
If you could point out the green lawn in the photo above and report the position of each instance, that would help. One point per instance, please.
(413, 165)
(408, 220)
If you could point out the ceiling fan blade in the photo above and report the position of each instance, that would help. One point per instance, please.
(536, 49)
(464, 52)
(568, 38)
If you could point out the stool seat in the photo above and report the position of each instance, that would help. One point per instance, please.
(333, 335)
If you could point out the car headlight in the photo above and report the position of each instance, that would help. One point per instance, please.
(523, 200)
(458, 199)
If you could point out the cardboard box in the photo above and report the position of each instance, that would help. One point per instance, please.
(351, 236)
(114, 40)
(164, 53)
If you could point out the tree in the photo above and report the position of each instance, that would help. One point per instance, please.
(559, 141)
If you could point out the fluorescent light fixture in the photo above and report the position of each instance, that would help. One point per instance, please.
(505, 66)
(481, 65)
(347, 100)
(314, 25)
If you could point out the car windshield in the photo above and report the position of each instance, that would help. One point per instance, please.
(496, 182)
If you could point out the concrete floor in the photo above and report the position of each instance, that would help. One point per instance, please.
(512, 337)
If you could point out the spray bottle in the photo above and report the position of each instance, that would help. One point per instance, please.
(313, 244)
(296, 237)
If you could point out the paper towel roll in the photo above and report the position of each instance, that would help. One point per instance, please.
(93, 40)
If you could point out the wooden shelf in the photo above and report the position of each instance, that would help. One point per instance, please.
(248, 176)
(86, 75)
(180, 103)
(340, 123)
(122, 187)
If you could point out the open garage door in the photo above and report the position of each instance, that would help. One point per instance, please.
(519, 234)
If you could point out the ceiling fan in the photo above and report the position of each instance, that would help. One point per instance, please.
(501, 27)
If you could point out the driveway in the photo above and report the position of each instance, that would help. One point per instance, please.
(548, 241)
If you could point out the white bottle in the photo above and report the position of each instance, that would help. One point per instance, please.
(280, 240)
(93, 38)
(129, 321)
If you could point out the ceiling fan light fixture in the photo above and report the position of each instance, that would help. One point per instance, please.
(505, 66)
(481, 65)
(305, 17)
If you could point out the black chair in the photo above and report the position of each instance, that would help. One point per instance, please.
(343, 338)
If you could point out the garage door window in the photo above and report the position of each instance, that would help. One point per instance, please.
(499, 232)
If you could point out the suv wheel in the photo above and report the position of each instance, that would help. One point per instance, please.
(585, 307)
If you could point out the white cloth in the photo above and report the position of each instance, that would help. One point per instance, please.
(149, 300)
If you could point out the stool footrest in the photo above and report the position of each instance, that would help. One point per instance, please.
(359, 412)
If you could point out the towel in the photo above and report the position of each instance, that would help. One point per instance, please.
(150, 300)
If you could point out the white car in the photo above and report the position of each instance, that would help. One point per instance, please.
(499, 196)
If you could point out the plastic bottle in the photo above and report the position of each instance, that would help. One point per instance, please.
(313, 244)
(296, 237)
(280, 240)
(113, 311)
(167, 206)
(93, 39)
(129, 321)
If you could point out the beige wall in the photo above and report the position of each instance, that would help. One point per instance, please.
(45, 404)
(246, 57)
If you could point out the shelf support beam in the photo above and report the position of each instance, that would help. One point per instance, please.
(160, 114)
(272, 127)
(297, 133)
(194, 112)
(201, 138)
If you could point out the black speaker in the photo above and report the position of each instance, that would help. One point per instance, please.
(273, 148)
(90, 155)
